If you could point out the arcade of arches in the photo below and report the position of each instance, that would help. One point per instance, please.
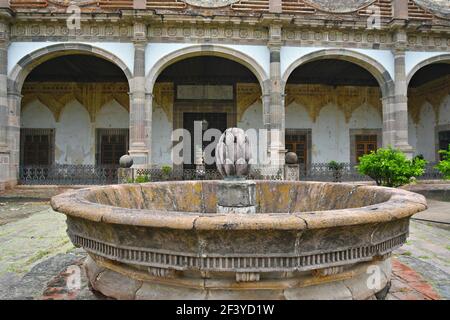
(75, 109)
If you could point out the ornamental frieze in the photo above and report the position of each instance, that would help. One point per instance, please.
(222, 33)
(93, 96)
(347, 98)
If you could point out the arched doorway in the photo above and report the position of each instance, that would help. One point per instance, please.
(207, 92)
(73, 116)
(333, 107)
(429, 107)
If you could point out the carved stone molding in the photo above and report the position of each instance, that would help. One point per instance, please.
(346, 98)
(164, 95)
(433, 92)
(246, 95)
(93, 96)
(194, 32)
(243, 266)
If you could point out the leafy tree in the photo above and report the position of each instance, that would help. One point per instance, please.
(390, 168)
(444, 165)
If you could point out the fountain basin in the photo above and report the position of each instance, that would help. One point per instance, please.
(307, 240)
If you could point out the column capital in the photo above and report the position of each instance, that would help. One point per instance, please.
(400, 41)
(139, 32)
(275, 32)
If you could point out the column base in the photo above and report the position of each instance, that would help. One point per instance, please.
(406, 149)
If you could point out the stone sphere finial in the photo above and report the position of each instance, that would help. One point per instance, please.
(291, 158)
(233, 154)
(126, 161)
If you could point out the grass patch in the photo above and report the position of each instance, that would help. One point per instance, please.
(407, 253)
(424, 257)
(38, 256)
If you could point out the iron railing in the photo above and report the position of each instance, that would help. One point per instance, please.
(63, 174)
(431, 173)
(67, 174)
(324, 172)
(158, 174)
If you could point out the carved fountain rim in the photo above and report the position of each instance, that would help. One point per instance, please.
(401, 204)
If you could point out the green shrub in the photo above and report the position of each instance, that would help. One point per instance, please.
(337, 168)
(390, 168)
(444, 165)
(166, 170)
(142, 178)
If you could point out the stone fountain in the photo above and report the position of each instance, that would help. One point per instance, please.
(238, 239)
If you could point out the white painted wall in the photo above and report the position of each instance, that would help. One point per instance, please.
(444, 112)
(161, 137)
(330, 134)
(253, 119)
(412, 133)
(426, 133)
(422, 136)
(36, 115)
(74, 139)
(112, 115)
(74, 132)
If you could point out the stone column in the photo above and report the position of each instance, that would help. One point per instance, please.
(5, 152)
(14, 99)
(277, 113)
(139, 137)
(399, 109)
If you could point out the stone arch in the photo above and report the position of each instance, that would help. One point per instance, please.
(442, 58)
(375, 68)
(208, 50)
(25, 65)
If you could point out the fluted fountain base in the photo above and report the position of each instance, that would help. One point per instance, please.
(361, 281)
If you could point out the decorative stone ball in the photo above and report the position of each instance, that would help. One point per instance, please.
(233, 154)
(291, 158)
(126, 161)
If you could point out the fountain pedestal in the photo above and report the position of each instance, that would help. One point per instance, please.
(236, 196)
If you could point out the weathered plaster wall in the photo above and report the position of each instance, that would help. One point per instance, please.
(74, 132)
(112, 115)
(253, 119)
(37, 115)
(161, 137)
(412, 133)
(330, 133)
(444, 112)
(422, 136)
(425, 133)
(73, 137)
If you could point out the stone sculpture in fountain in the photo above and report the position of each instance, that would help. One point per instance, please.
(233, 156)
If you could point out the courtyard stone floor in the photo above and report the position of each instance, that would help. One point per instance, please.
(36, 256)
